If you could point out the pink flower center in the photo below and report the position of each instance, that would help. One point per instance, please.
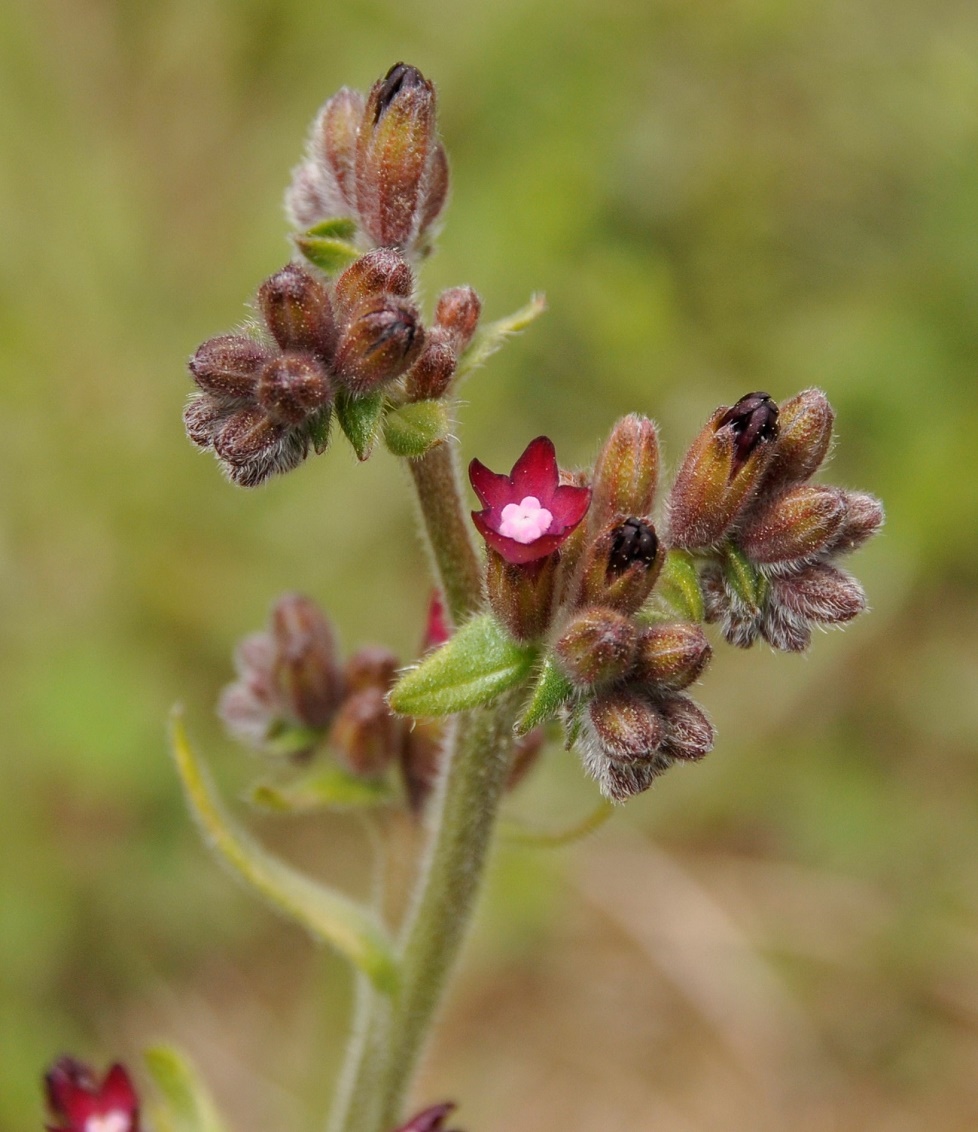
(114, 1121)
(526, 521)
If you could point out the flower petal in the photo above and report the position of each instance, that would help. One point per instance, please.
(535, 472)
(568, 505)
(493, 489)
(516, 553)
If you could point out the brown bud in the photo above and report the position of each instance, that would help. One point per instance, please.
(671, 655)
(335, 141)
(293, 387)
(395, 154)
(721, 472)
(372, 666)
(621, 781)
(381, 343)
(521, 595)
(626, 471)
(862, 519)
(434, 191)
(381, 272)
(627, 726)
(689, 734)
(782, 629)
(819, 593)
(458, 313)
(432, 373)
(202, 418)
(306, 669)
(621, 565)
(804, 437)
(298, 312)
(799, 523)
(597, 647)
(365, 733)
(228, 366)
(246, 434)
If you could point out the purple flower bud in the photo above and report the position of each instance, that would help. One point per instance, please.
(228, 366)
(804, 438)
(293, 387)
(379, 273)
(202, 418)
(380, 344)
(626, 472)
(324, 185)
(620, 566)
(753, 421)
(689, 734)
(297, 311)
(597, 647)
(863, 517)
(796, 525)
(671, 656)
(458, 312)
(626, 725)
(365, 733)
(432, 373)
(821, 593)
(371, 666)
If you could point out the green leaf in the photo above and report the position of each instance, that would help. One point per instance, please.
(359, 419)
(550, 692)
(743, 579)
(478, 663)
(492, 336)
(679, 585)
(413, 429)
(318, 428)
(327, 914)
(339, 227)
(327, 788)
(187, 1105)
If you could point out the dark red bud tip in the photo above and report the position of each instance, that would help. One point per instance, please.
(400, 77)
(430, 1120)
(633, 541)
(753, 420)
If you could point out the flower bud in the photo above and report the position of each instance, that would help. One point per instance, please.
(598, 647)
(620, 781)
(521, 594)
(246, 435)
(626, 471)
(293, 387)
(862, 519)
(782, 629)
(365, 732)
(621, 566)
(305, 670)
(381, 343)
(671, 655)
(799, 523)
(297, 311)
(432, 373)
(627, 726)
(722, 471)
(458, 313)
(334, 141)
(689, 734)
(381, 272)
(804, 437)
(228, 366)
(397, 158)
(372, 666)
(821, 593)
(202, 419)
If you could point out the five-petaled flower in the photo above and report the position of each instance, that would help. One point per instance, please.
(81, 1104)
(529, 513)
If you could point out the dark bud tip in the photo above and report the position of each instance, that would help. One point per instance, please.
(753, 420)
(633, 541)
(400, 77)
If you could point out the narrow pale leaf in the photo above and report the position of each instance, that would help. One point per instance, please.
(327, 253)
(745, 581)
(328, 788)
(478, 663)
(413, 429)
(186, 1104)
(679, 586)
(328, 915)
(551, 691)
(492, 336)
(360, 418)
(339, 227)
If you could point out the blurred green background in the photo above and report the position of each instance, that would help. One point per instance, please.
(717, 196)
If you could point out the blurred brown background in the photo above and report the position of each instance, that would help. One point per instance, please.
(717, 196)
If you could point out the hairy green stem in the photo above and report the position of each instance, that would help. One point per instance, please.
(448, 529)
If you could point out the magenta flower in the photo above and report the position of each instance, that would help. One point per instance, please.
(529, 513)
(431, 1120)
(80, 1104)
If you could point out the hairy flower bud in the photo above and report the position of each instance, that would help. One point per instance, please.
(380, 343)
(371, 666)
(306, 669)
(671, 656)
(862, 519)
(297, 311)
(521, 594)
(432, 373)
(804, 437)
(381, 272)
(293, 387)
(335, 143)
(820, 593)
(401, 175)
(627, 725)
(689, 734)
(458, 313)
(228, 366)
(597, 647)
(626, 472)
(796, 525)
(365, 733)
(621, 566)
(722, 471)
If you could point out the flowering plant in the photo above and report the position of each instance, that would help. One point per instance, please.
(584, 621)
